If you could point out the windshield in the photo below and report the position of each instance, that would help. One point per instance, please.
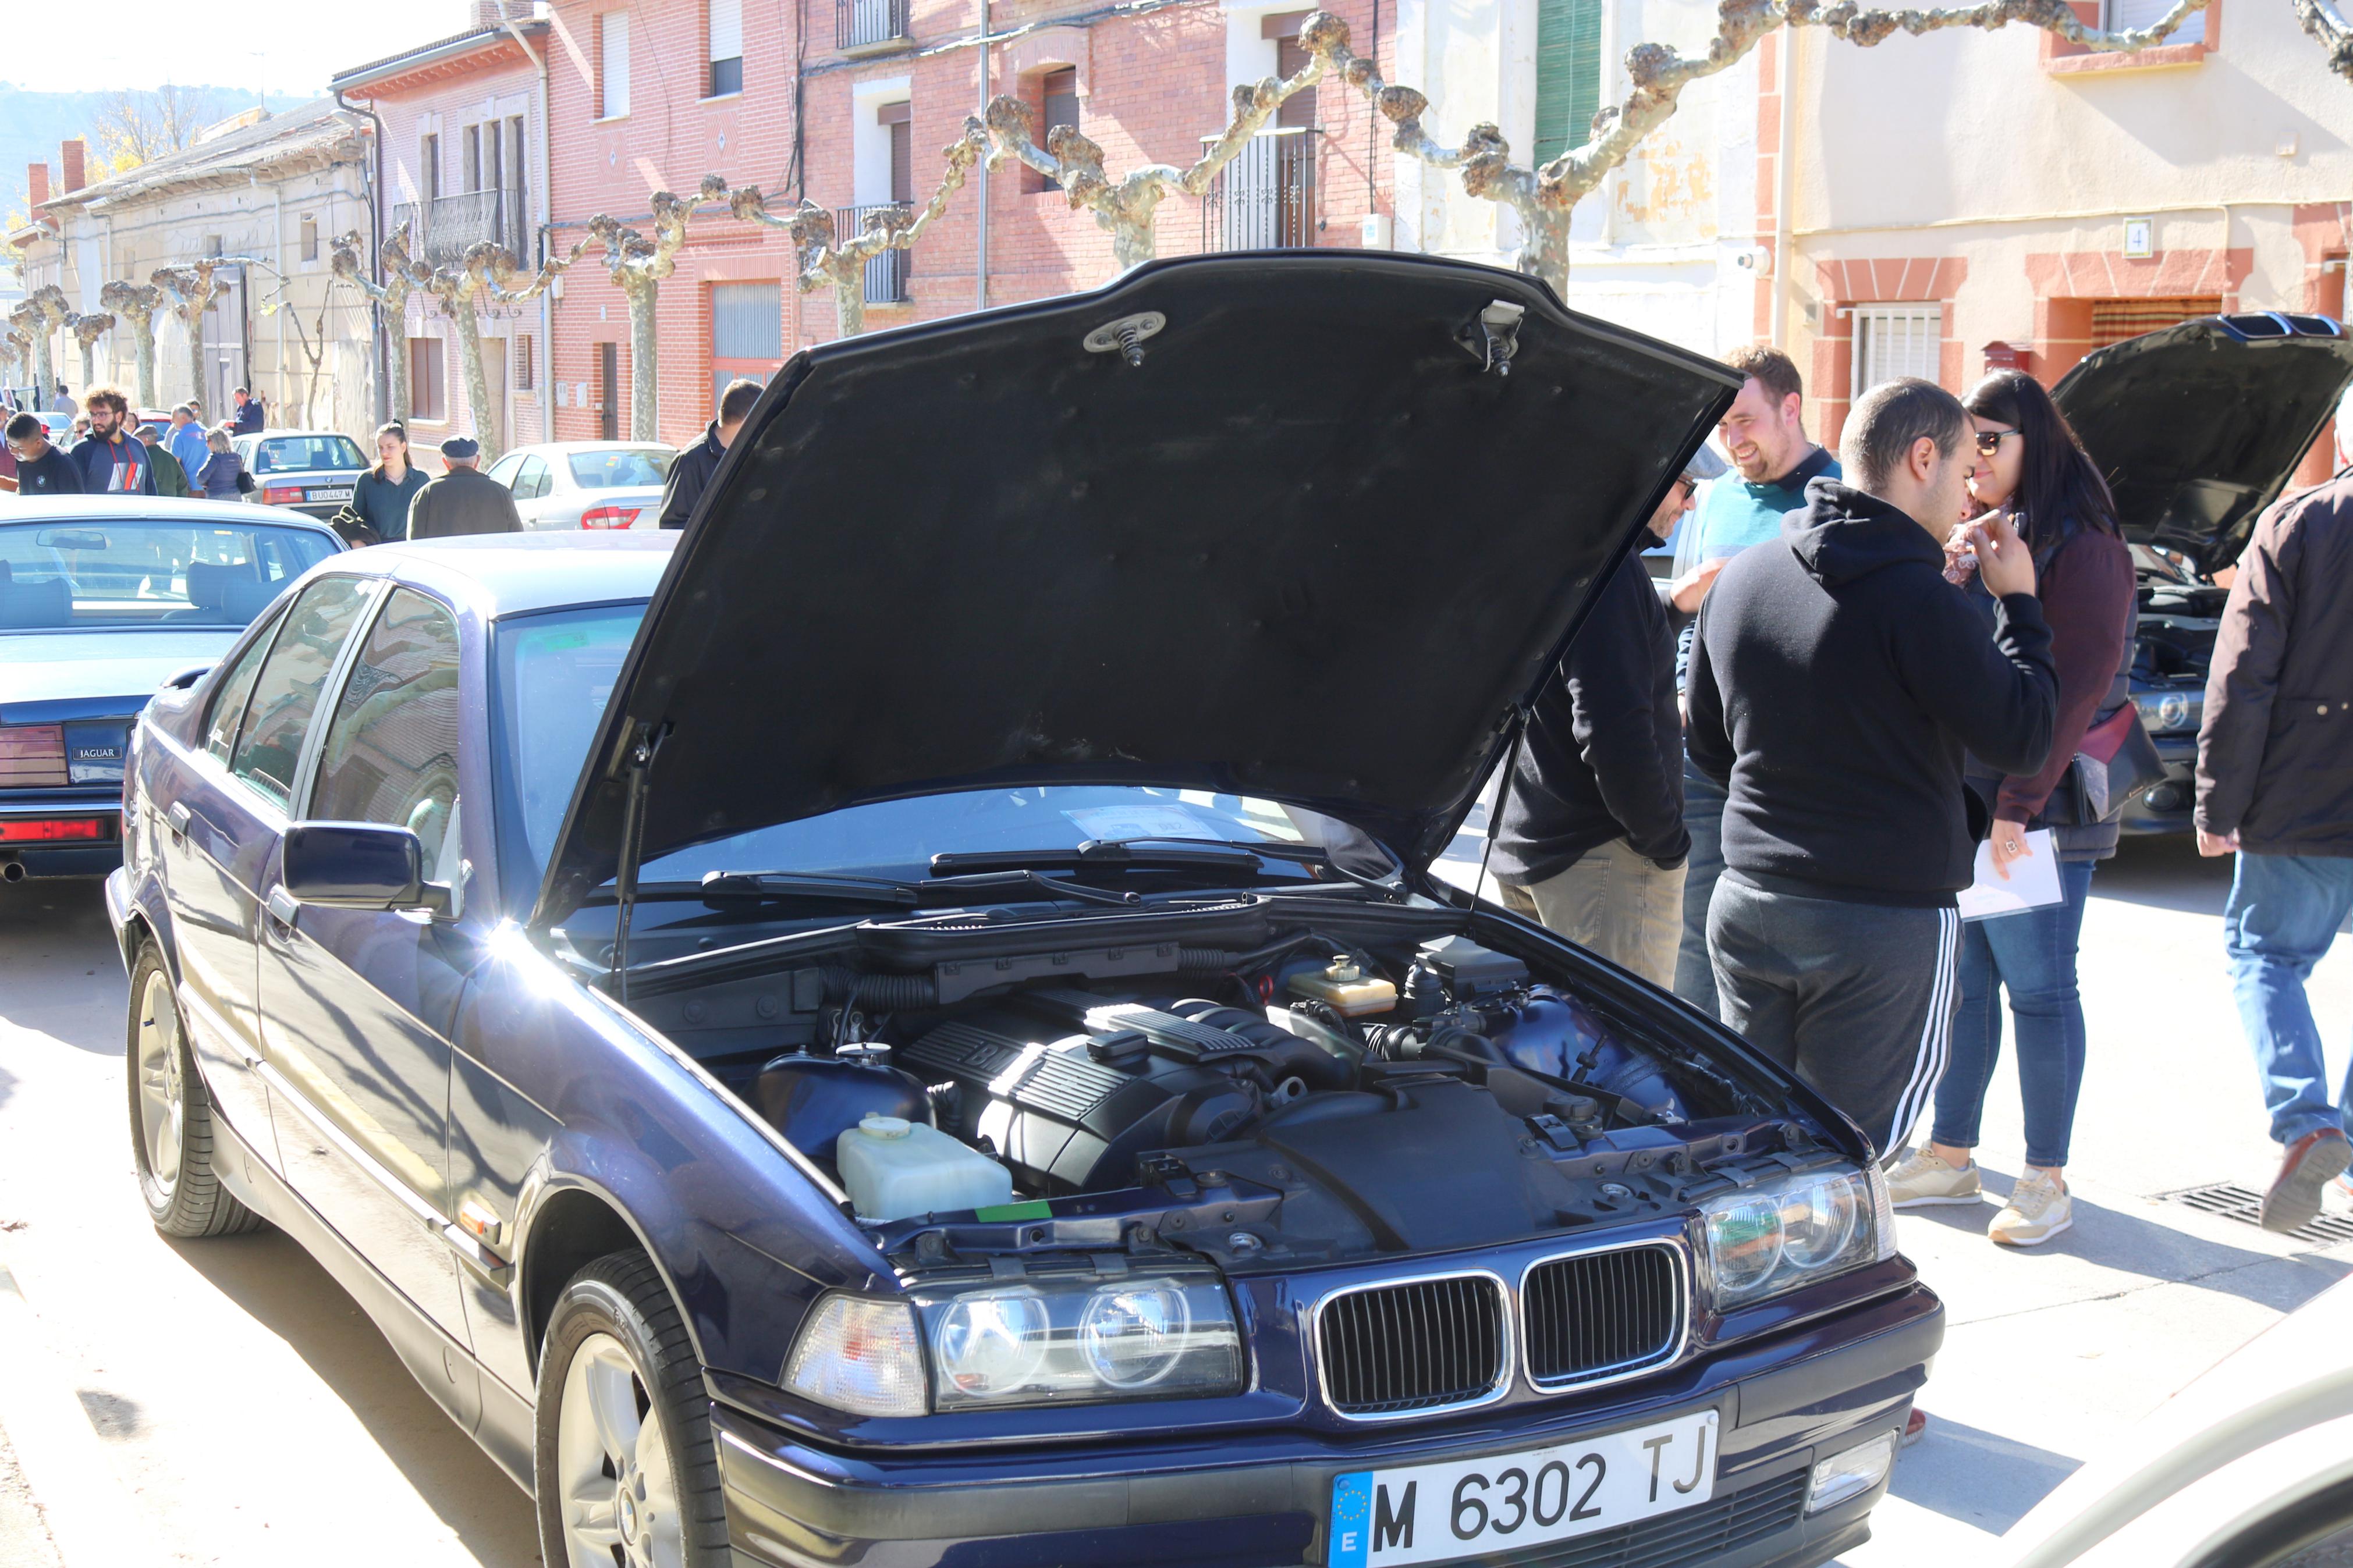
(617, 470)
(557, 671)
(127, 573)
(304, 454)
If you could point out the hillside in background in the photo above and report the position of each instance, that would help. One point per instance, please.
(32, 123)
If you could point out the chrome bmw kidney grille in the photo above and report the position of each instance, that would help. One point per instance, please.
(1426, 1344)
(1601, 1313)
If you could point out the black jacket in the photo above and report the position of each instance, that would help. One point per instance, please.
(2275, 748)
(1603, 756)
(462, 501)
(689, 475)
(53, 473)
(1835, 683)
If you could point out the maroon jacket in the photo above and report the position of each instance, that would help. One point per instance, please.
(2087, 588)
(2275, 750)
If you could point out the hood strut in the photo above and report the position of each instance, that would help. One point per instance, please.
(633, 827)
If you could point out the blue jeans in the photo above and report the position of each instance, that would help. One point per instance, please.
(2032, 956)
(1704, 816)
(2283, 913)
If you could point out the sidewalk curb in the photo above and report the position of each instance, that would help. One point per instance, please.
(93, 1519)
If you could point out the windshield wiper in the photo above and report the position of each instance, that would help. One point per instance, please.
(878, 890)
(1111, 852)
(988, 879)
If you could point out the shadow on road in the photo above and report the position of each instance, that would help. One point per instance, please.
(66, 979)
(1981, 1478)
(278, 1285)
(2165, 872)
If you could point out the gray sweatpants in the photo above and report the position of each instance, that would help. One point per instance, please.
(1857, 998)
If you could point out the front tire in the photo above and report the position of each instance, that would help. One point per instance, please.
(627, 1469)
(172, 1136)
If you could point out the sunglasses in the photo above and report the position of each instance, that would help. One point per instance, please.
(1990, 441)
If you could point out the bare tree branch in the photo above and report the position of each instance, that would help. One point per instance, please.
(191, 290)
(87, 329)
(16, 356)
(488, 274)
(827, 261)
(2328, 28)
(39, 314)
(137, 304)
(637, 266)
(403, 276)
(1126, 207)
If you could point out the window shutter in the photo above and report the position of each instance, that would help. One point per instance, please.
(1568, 74)
(726, 29)
(614, 65)
(1893, 340)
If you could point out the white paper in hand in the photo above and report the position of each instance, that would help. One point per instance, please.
(2034, 881)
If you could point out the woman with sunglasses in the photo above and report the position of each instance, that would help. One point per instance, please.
(2029, 465)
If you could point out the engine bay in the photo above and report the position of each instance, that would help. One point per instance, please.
(1287, 1105)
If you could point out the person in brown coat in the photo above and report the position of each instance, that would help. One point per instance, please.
(464, 500)
(2275, 787)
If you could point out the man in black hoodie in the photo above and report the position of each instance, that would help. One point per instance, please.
(1836, 680)
(691, 472)
(1591, 839)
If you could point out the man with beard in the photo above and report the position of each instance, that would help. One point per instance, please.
(114, 461)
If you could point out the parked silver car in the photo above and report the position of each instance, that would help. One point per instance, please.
(312, 471)
(586, 484)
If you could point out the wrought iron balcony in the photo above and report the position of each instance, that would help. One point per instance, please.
(869, 26)
(1265, 199)
(886, 275)
(440, 232)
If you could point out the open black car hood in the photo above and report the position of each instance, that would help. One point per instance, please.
(1309, 547)
(2198, 427)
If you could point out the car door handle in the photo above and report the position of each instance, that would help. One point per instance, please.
(282, 906)
(178, 816)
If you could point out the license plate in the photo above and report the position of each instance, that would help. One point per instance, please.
(341, 493)
(1437, 1513)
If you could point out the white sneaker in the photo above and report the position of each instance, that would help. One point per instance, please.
(2039, 1209)
(1925, 1180)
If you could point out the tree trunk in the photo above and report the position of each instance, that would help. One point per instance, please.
(45, 370)
(89, 367)
(396, 368)
(643, 294)
(849, 303)
(477, 381)
(142, 334)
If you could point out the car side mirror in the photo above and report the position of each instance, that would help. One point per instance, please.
(359, 866)
(181, 679)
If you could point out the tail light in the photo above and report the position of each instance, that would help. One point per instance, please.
(32, 756)
(54, 830)
(610, 517)
(280, 495)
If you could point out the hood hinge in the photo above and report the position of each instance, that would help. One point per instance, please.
(637, 764)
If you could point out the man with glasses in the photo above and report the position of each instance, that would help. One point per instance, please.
(1590, 839)
(41, 469)
(114, 461)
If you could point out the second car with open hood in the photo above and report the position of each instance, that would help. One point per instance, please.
(919, 1028)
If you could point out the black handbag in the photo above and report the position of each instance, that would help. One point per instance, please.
(245, 485)
(354, 530)
(2116, 763)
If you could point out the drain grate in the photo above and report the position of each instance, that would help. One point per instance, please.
(2247, 1204)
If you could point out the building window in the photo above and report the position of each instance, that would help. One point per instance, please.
(608, 392)
(897, 121)
(429, 396)
(310, 238)
(726, 31)
(524, 346)
(1892, 340)
(747, 334)
(2131, 15)
(1568, 74)
(428, 167)
(469, 156)
(1057, 104)
(612, 64)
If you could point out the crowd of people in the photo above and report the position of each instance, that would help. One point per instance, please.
(111, 450)
(1888, 658)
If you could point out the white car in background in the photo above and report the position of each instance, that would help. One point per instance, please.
(587, 484)
(310, 471)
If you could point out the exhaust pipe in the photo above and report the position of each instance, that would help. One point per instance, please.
(11, 871)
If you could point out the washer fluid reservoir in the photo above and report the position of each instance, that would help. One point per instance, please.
(1349, 990)
(895, 1169)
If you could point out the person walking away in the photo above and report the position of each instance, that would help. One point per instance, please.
(247, 416)
(62, 402)
(464, 500)
(2031, 466)
(695, 466)
(187, 439)
(383, 495)
(2275, 786)
(42, 469)
(170, 479)
(1765, 433)
(114, 461)
(223, 469)
(1590, 840)
(1836, 680)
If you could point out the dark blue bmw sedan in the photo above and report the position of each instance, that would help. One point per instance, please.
(917, 1028)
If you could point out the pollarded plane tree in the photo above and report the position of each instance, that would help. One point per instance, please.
(137, 303)
(2328, 28)
(403, 276)
(15, 357)
(87, 329)
(190, 291)
(827, 261)
(488, 275)
(1126, 207)
(37, 316)
(637, 266)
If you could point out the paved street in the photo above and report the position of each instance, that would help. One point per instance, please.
(223, 1403)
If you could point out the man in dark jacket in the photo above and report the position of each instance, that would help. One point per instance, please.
(1836, 681)
(2275, 784)
(464, 500)
(112, 461)
(247, 416)
(42, 469)
(693, 467)
(170, 478)
(1590, 839)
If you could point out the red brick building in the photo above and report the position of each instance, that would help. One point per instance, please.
(463, 157)
(652, 94)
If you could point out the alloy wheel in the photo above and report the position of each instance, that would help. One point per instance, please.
(162, 1102)
(613, 1460)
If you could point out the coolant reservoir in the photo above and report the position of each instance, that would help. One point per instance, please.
(1349, 990)
(894, 1168)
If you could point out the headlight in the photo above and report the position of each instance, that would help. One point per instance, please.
(2164, 711)
(1080, 1340)
(860, 1355)
(1797, 1230)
